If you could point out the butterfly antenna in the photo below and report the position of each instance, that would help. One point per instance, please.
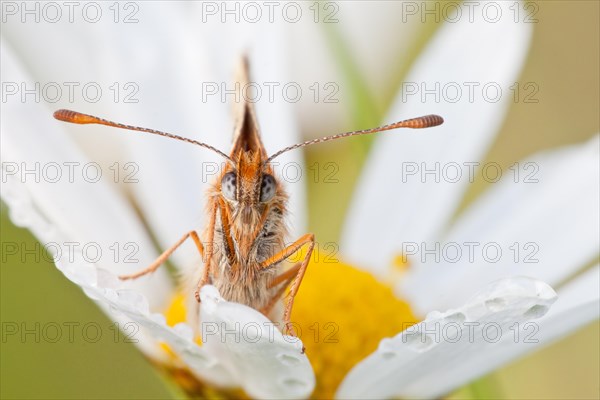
(426, 121)
(75, 117)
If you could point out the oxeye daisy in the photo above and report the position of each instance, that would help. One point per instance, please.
(379, 319)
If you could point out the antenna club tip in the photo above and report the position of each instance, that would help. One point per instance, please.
(73, 117)
(63, 115)
(436, 120)
(428, 121)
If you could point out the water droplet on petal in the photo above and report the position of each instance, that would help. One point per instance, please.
(536, 311)
(496, 304)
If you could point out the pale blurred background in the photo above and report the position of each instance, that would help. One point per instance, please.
(563, 61)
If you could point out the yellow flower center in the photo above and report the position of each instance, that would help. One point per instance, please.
(340, 313)
(344, 313)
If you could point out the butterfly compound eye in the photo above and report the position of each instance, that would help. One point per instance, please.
(267, 188)
(228, 185)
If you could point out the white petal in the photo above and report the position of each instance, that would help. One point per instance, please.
(140, 325)
(264, 362)
(172, 176)
(169, 174)
(578, 304)
(129, 308)
(448, 349)
(68, 202)
(33, 42)
(415, 208)
(369, 35)
(554, 223)
(278, 123)
(73, 60)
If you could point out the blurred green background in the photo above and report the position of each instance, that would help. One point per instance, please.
(564, 62)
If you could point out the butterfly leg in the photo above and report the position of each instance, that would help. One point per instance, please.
(165, 255)
(293, 275)
(209, 252)
(286, 278)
